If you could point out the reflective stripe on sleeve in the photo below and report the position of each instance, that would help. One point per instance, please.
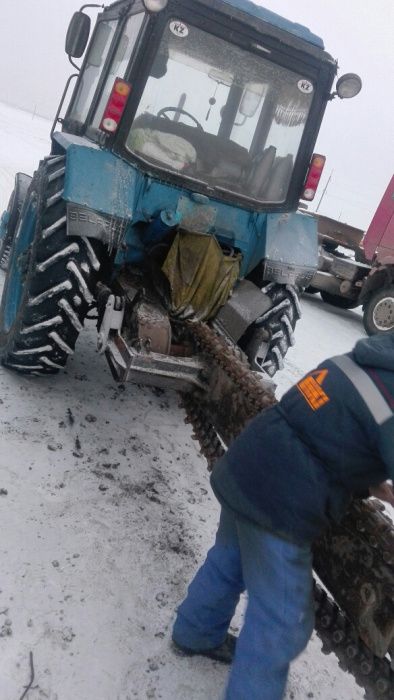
(364, 385)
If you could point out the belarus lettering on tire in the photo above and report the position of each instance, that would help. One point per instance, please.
(50, 280)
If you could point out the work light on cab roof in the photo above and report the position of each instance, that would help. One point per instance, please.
(155, 5)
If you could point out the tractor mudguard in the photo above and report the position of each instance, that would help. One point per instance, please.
(83, 221)
(9, 219)
(291, 255)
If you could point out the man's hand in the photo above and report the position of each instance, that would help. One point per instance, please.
(385, 492)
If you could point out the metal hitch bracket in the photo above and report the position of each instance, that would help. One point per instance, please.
(154, 369)
(112, 321)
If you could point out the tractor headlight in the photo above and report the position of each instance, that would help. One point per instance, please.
(349, 85)
(155, 5)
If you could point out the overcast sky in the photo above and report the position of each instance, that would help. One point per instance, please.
(357, 136)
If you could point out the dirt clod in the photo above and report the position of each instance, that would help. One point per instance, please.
(90, 418)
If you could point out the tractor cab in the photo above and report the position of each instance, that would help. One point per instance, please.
(171, 192)
(222, 98)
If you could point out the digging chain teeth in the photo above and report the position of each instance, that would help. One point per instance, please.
(203, 431)
(338, 636)
(374, 527)
(229, 361)
(335, 630)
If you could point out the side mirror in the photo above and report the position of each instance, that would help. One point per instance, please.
(77, 35)
(348, 85)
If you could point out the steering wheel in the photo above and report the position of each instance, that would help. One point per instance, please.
(163, 113)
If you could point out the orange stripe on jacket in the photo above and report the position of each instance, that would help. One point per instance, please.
(311, 389)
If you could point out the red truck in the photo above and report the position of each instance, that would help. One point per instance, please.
(357, 269)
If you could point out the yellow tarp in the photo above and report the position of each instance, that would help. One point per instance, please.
(201, 277)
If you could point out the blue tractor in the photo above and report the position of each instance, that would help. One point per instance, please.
(171, 191)
(169, 204)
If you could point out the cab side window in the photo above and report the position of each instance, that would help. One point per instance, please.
(121, 59)
(95, 62)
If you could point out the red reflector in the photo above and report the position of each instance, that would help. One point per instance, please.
(313, 177)
(115, 106)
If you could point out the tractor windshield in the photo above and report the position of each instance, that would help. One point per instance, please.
(221, 115)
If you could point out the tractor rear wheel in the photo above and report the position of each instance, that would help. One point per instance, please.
(11, 216)
(50, 281)
(268, 340)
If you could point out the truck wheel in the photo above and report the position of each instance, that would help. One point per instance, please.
(339, 302)
(11, 216)
(268, 340)
(50, 280)
(379, 311)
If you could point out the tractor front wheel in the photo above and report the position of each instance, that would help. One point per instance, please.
(50, 280)
(267, 341)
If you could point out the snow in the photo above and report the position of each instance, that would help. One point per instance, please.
(108, 513)
(24, 140)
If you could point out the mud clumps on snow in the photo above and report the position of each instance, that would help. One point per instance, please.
(6, 628)
(70, 417)
(90, 418)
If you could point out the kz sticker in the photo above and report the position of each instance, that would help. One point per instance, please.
(180, 29)
(305, 86)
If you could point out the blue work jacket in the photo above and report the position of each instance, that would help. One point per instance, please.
(297, 465)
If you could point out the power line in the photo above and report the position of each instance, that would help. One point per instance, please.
(324, 191)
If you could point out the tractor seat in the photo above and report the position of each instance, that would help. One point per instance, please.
(262, 171)
(270, 177)
(276, 188)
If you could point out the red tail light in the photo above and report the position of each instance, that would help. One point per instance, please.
(313, 177)
(115, 106)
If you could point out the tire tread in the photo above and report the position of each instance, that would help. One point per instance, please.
(59, 287)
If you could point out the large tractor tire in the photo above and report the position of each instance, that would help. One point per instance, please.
(268, 340)
(50, 281)
(11, 216)
(379, 311)
(338, 301)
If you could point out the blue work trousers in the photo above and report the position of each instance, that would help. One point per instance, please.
(279, 618)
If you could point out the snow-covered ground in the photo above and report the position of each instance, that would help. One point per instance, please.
(108, 512)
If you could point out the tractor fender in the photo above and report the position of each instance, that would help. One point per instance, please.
(9, 219)
(83, 221)
(378, 278)
(246, 304)
(292, 249)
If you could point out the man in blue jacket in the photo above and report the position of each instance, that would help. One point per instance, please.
(294, 469)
